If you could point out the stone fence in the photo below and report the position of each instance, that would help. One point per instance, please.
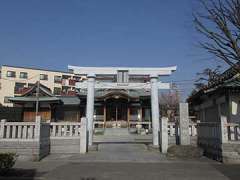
(174, 133)
(35, 140)
(65, 137)
(220, 140)
(25, 138)
(172, 130)
(65, 129)
(233, 131)
(17, 130)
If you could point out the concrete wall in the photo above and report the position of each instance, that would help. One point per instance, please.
(211, 114)
(64, 145)
(26, 150)
(231, 152)
(211, 109)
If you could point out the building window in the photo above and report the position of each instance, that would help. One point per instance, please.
(57, 91)
(19, 87)
(23, 75)
(57, 79)
(11, 74)
(43, 77)
(122, 76)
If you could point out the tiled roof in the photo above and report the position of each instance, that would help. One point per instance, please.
(231, 83)
(70, 100)
(34, 99)
(131, 93)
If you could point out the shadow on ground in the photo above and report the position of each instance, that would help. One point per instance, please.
(18, 173)
(232, 171)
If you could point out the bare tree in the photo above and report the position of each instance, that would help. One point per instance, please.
(169, 102)
(220, 26)
(207, 76)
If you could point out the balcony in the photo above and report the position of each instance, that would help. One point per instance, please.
(72, 82)
(68, 82)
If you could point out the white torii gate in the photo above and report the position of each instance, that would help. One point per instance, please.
(154, 85)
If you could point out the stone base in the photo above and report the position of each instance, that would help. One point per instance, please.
(153, 147)
(93, 147)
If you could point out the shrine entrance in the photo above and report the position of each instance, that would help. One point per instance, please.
(128, 78)
(117, 113)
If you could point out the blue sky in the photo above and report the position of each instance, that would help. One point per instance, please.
(54, 33)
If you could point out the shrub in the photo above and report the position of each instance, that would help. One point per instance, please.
(7, 161)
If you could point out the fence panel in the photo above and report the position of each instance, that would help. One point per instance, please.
(17, 130)
(64, 129)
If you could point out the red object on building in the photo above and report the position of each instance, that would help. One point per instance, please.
(72, 82)
(71, 93)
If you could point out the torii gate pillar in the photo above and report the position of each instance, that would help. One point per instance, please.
(155, 109)
(90, 106)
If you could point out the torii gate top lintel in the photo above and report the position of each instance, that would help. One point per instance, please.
(151, 71)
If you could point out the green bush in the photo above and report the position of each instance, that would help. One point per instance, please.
(7, 161)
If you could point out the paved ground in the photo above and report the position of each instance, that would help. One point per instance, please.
(114, 153)
(124, 161)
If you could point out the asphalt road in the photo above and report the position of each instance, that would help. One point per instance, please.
(143, 171)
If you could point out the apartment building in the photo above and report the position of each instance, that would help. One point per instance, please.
(14, 81)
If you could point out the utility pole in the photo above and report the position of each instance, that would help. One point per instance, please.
(37, 96)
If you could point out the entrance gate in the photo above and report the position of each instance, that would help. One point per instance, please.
(123, 82)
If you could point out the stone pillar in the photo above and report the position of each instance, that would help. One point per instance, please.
(37, 154)
(37, 128)
(83, 136)
(164, 135)
(184, 124)
(2, 132)
(224, 130)
(128, 116)
(90, 106)
(155, 109)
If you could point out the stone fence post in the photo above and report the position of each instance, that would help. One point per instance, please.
(224, 131)
(37, 128)
(184, 124)
(83, 136)
(42, 136)
(2, 128)
(164, 135)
